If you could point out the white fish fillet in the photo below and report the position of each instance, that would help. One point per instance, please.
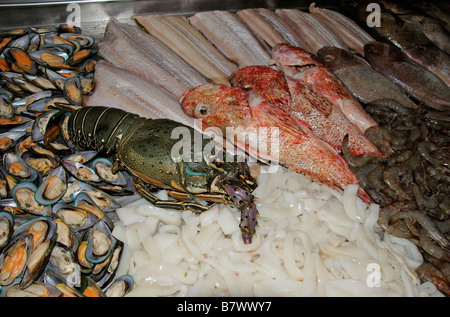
(130, 47)
(312, 29)
(271, 27)
(177, 33)
(347, 29)
(232, 37)
(123, 89)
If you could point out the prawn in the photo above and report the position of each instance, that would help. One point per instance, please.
(430, 247)
(427, 272)
(425, 222)
(397, 229)
(391, 177)
(381, 138)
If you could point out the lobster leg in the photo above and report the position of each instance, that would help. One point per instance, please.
(177, 205)
(213, 198)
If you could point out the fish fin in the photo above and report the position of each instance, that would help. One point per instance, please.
(316, 100)
(268, 113)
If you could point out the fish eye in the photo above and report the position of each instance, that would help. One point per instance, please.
(202, 110)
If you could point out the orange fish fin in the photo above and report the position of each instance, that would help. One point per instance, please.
(271, 115)
(299, 88)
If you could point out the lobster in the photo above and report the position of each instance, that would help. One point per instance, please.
(143, 147)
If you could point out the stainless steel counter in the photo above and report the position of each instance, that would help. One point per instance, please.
(93, 15)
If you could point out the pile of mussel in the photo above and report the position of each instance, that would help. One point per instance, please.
(413, 184)
(57, 204)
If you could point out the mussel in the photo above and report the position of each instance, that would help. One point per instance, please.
(6, 228)
(73, 91)
(18, 168)
(43, 231)
(9, 139)
(53, 187)
(24, 196)
(6, 108)
(120, 287)
(81, 171)
(14, 258)
(51, 278)
(83, 40)
(101, 242)
(37, 289)
(77, 219)
(104, 169)
(55, 228)
(21, 59)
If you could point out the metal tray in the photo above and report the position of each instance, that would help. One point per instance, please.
(94, 14)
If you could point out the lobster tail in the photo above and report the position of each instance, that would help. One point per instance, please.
(99, 128)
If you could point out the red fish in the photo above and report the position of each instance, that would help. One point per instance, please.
(299, 149)
(308, 69)
(326, 120)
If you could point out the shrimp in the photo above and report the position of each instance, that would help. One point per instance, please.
(425, 222)
(431, 205)
(426, 202)
(443, 226)
(391, 177)
(400, 139)
(363, 180)
(443, 266)
(445, 206)
(402, 157)
(415, 134)
(437, 175)
(387, 108)
(416, 164)
(430, 247)
(427, 272)
(375, 178)
(425, 148)
(381, 138)
(397, 229)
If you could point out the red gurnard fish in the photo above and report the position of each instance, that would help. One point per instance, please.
(298, 148)
(326, 120)
(308, 69)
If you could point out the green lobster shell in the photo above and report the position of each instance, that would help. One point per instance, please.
(145, 148)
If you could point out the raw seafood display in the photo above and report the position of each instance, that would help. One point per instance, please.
(299, 149)
(413, 78)
(271, 27)
(301, 101)
(128, 137)
(57, 203)
(129, 47)
(364, 82)
(293, 61)
(185, 40)
(351, 117)
(312, 29)
(407, 37)
(232, 37)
